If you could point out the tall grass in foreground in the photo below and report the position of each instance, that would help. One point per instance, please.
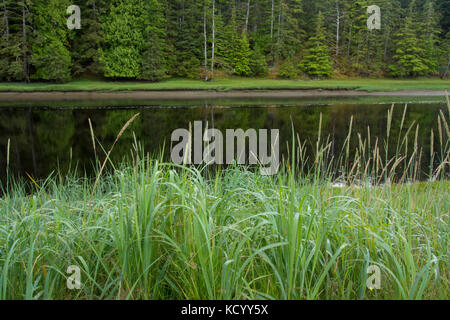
(152, 230)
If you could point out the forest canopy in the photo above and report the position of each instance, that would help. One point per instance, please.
(156, 39)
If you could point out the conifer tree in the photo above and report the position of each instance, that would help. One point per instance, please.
(430, 36)
(288, 70)
(89, 39)
(317, 61)
(15, 42)
(185, 38)
(410, 56)
(124, 40)
(50, 54)
(153, 63)
(290, 35)
(445, 59)
(234, 48)
(358, 36)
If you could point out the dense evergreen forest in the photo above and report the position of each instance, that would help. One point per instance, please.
(157, 39)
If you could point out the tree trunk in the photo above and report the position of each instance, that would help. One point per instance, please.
(271, 32)
(338, 26)
(247, 16)
(271, 20)
(24, 44)
(279, 22)
(5, 16)
(213, 38)
(205, 49)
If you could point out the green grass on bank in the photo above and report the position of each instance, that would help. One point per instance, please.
(234, 84)
(157, 232)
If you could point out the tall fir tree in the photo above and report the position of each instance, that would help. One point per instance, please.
(153, 62)
(185, 37)
(410, 58)
(124, 39)
(430, 36)
(51, 57)
(15, 42)
(358, 37)
(317, 60)
(89, 39)
(289, 36)
(234, 49)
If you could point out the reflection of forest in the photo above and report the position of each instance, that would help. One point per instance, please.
(44, 140)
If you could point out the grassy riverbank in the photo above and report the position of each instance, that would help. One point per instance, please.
(157, 232)
(151, 230)
(233, 84)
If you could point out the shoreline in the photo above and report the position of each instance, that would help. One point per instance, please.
(207, 94)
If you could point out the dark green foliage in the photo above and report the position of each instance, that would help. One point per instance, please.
(444, 9)
(153, 61)
(289, 36)
(11, 63)
(258, 63)
(444, 62)
(184, 20)
(154, 39)
(409, 55)
(414, 48)
(234, 49)
(51, 60)
(14, 45)
(88, 40)
(430, 36)
(124, 39)
(50, 53)
(317, 62)
(288, 70)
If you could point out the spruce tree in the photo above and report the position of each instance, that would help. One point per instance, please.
(445, 57)
(51, 57)
(234, 48)
(430, 36)
(288, 70)
(258, 63)
(15, 27)
(358, 36)
(184, 31)
(410, 56)
(290, 35)
(153, 63)
(89, 39)
(317, 61)
(124, 39)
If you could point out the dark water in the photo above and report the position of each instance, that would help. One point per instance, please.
(45, 139)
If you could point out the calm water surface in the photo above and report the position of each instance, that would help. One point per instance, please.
(47, 138)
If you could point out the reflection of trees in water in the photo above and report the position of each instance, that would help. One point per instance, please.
(42, 140)
(31, 141)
